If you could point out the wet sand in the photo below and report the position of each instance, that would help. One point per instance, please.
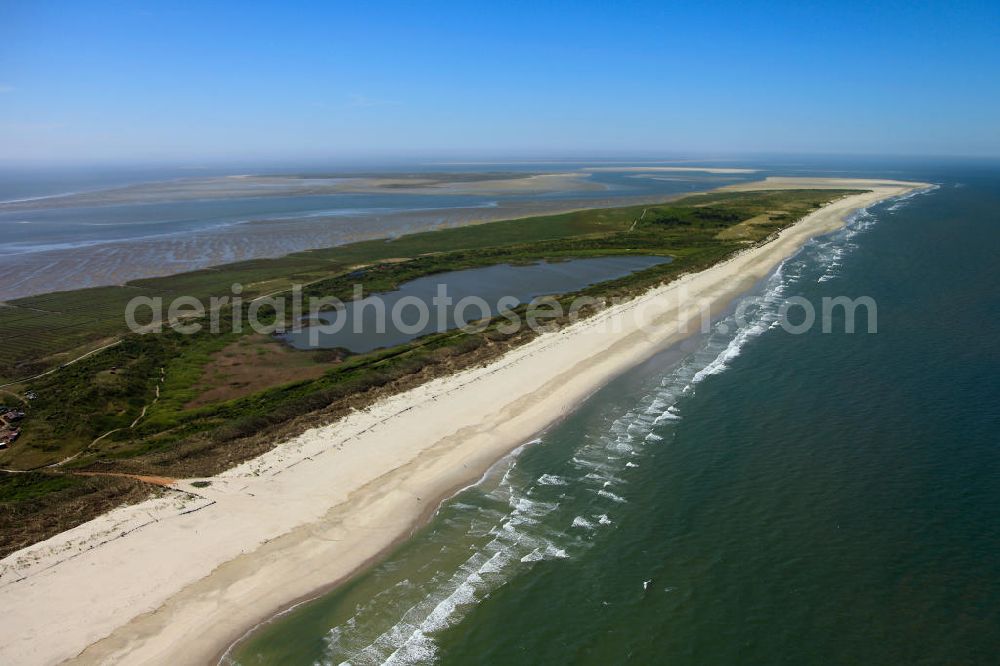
(115, 263)
(178, 579)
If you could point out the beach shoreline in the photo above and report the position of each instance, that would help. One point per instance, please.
(212, 561)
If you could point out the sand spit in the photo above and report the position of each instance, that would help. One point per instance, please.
(672, 169)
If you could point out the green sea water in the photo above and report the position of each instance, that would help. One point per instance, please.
(752, 497)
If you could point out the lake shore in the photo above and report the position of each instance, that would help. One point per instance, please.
(179, 578)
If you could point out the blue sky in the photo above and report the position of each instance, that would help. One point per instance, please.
(86, 81)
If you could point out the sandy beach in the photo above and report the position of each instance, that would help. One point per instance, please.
(671, 169)
(178, 579)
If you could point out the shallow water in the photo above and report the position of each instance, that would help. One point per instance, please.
(392, 318)
(49, 243)
(750, 497)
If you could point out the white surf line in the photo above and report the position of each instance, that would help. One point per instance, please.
(176, 615)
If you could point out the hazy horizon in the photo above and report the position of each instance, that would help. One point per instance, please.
(389, 161)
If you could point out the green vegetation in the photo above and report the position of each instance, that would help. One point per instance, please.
(172, 405)
(28, 486)
(39, 332)
(36, 505)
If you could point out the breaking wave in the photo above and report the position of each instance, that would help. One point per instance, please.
(524, 515)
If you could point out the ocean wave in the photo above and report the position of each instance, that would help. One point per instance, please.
(903, 200)
(518, 538)
(829, 251)
(551, 480)
(611, 496)
(540, 505)
(765, 306)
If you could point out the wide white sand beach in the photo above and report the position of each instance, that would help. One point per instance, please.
(177, 579)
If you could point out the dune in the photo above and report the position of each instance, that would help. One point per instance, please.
(178, 579)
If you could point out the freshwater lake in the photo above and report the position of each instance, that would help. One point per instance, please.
(369, 323)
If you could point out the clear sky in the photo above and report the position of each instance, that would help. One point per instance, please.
(217, 80)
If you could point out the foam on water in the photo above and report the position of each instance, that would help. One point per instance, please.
(523, 519)
(830, 251)
(551, 480)
(904, 200)
(611, 496)
(518, 539)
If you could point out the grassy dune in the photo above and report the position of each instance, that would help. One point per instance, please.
(180, 405)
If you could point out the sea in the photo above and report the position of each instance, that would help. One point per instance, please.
(72, 227)
(752, 496)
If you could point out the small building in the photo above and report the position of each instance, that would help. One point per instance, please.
(14, 415)
(8, 436)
